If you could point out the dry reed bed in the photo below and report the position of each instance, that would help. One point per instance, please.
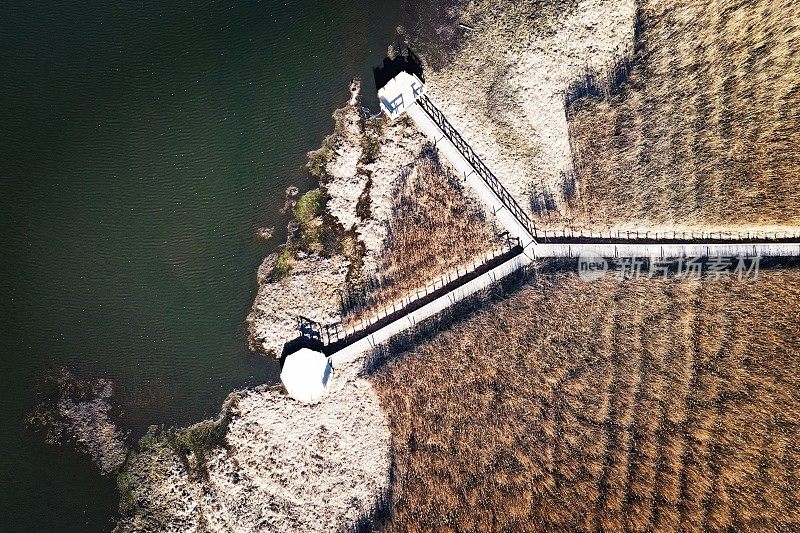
(641, 405)
(503, 89)
(706, 132)
(435, 227)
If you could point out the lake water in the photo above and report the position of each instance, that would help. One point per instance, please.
(141, 147)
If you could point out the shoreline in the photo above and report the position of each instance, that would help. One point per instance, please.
(349, 242)
(189, 471)
(337, 238)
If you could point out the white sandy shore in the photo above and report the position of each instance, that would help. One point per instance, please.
(285, 467)
(504, 91)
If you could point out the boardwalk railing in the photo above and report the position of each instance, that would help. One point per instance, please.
(330, 337)
(480, 167)
(570, 235)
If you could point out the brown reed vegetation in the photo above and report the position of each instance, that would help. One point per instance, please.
(639, 405)
(707, 127)
(434, 228)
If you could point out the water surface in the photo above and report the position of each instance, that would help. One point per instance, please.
(141, 145)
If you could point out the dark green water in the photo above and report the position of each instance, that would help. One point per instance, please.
(141, 144)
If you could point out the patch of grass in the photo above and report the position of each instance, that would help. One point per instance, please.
(433, 229)
(283, 264)
(308, 213)
(312, 230)
(309, 206)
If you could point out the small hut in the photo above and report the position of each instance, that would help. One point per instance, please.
(400, 93)
(306, 375)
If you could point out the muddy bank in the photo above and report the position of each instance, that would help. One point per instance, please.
(79, 413)
(267, 463)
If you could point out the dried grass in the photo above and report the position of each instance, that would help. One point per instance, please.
(646, 405)
(707, 129)
(434, 228)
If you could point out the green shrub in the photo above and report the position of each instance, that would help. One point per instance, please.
(283, 265)
(309, 213)
(309, 206)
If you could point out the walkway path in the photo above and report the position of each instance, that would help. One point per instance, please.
(489, 189)
(534, 243)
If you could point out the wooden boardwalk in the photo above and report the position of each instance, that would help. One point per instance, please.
(662, 250)
(536, 244)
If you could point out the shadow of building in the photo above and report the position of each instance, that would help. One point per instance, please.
(405, 61)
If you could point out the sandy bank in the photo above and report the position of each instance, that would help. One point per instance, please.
(504, 89)
(281, 466)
